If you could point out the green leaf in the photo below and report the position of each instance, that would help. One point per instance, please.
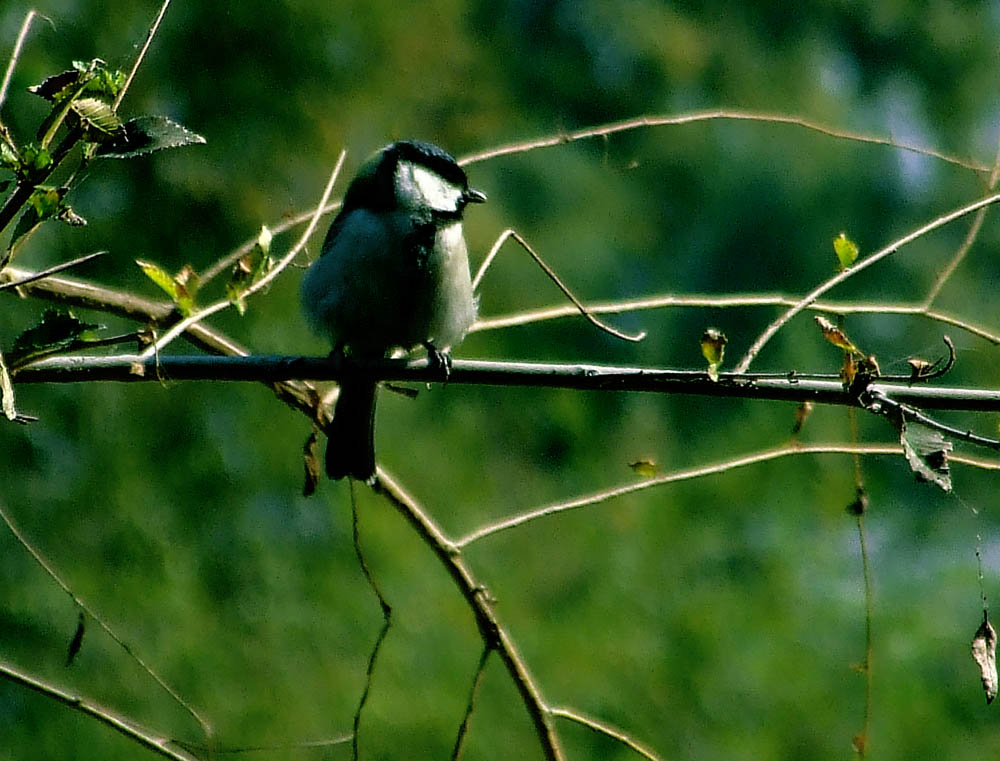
(35, 158)
(159, 276)
(8, 157)
(846, 250)
(248, 269)
(713, 348)
(146, 134)
(6, 392)
(58, 86)
(645, 468)
(927, 452)
(235, 295)
(97, 116)
(57, 331)
(181, 287)
(263, 244)
(46, 201)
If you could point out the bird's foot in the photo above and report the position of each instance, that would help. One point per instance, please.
(438, 359)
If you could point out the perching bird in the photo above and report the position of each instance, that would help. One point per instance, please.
(393, 272)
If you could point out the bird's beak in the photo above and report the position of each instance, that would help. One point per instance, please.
(474, 196)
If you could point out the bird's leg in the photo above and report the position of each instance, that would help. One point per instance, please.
(438, 359)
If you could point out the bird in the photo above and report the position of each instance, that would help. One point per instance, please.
(393, 272)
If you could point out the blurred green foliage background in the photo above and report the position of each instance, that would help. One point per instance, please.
(720, 618)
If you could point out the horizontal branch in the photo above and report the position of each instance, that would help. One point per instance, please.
(791, 388)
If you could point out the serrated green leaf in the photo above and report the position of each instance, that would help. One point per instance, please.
(146, 134)
(57, 330)
(926, 451)
(161, 277)
(846, 250)
(97, 116)
(58, 86)
(88, 67)
(107, 82)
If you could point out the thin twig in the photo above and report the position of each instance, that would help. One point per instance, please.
(142, 54)
(206, 312)
(41, 274)
(605, 729)
(840, 277)
(682, 475)
(262, 748)
(50, 571)
(383, 631)
(145, 737)
(470, 703)
(18, 45)
(714, 114)
(859, 508)
(493, 634)
(970, 237)
(869, 648)
(80, 293)
(909, 413)
(227, 261)
(510, 233)
(727, 301)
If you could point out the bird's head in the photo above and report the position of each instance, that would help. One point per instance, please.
(410, 175)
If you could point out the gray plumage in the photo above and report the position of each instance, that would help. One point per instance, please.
(393, 272)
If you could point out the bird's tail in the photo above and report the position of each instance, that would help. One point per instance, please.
(350, 450)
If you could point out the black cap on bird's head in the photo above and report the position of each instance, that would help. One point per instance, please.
(415, 175)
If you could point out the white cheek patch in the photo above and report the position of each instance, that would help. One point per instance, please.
(433, 189)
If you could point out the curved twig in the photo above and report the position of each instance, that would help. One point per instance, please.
(580, 307)
(493, 634)
(840, 277)
(145, 737)
(640, 122)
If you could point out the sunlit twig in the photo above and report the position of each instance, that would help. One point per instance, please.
(640, 122)
(142, 54)
(157, 743)
(604, 728)
(264, 281)
(22, 35)
(50, 571)
(840, 277)
(550, 273)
